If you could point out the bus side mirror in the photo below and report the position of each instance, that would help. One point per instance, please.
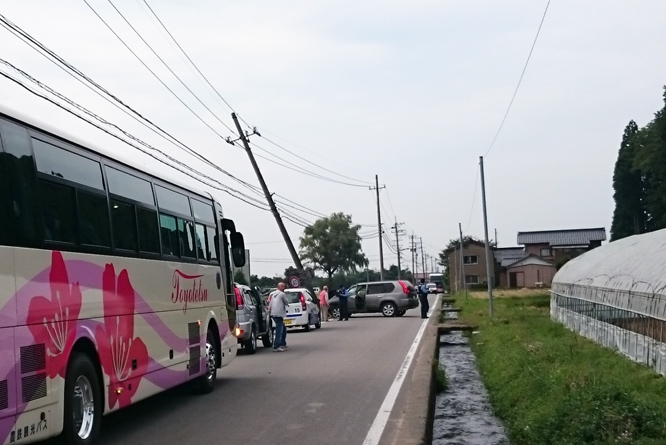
(238, 249)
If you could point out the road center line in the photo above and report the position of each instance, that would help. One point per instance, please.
(377, 427)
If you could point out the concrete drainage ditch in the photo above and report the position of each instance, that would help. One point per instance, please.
(462, 414)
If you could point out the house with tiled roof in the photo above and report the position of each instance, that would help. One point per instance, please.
(559, 246)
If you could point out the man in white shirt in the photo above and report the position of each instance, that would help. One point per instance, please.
(278, 310)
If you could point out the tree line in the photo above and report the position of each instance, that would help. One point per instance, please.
(331, 245)
(639, 178)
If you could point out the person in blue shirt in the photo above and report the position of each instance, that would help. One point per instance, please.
(423, 298)
(342, 298)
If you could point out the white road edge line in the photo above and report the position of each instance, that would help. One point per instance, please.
(377, 427)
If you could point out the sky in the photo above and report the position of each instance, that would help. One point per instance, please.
(414, 92)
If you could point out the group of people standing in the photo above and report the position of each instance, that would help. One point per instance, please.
(324, 303)
(278, 309)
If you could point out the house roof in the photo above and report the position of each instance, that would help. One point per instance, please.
(509, 252)
(531, 259)
(563, 237)
(465, 243)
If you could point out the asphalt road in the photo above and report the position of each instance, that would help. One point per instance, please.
(326, 389)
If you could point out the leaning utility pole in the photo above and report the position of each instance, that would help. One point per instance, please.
(379, 225)
(269, 198)
(485, 229)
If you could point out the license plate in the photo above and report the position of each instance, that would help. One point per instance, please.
(287, 322)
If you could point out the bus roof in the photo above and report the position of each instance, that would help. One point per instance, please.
(44, 127)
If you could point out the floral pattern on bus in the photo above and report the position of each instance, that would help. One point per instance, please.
(118, 346)
(53, 321)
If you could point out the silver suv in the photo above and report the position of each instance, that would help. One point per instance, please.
(391, 298)
(252, 318)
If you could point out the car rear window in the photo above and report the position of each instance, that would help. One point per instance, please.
(293, 297)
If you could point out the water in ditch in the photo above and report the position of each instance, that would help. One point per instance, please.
(463, 415)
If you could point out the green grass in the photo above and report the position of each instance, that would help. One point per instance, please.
(551, 386)
(441, 383)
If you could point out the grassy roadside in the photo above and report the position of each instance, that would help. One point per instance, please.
(550, 386)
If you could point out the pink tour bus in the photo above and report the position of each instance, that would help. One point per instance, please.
(115, 285)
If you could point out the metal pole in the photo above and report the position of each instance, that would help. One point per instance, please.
(462, 262)
(489, 277)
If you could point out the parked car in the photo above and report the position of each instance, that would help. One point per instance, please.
(390, 298)
(302, 311)
(252, 318)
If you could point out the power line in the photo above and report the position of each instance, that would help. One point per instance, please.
(519, 81)
(365, 184)
(158, 78)
(186, 55)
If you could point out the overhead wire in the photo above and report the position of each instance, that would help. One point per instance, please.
(188, 57)
(157, 77)
(519, 80)
(118, 103)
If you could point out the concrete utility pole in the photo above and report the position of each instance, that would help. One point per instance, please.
(379, 225)
(412, 249)
(269, 198)
(485, 229)
(422, 257)
(462, 263)
(396, 227)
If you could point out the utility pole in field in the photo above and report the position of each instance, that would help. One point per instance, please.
(398, 232)
(462, 263)
(485, 229)
(381, 233)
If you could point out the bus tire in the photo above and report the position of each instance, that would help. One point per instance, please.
(206, 382)
(83, 401)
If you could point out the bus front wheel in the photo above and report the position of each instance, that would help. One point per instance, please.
(207, 381)
(83, 401)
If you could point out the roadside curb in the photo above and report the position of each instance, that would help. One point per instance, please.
(416, 419)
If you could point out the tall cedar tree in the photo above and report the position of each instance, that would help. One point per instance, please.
(650, 160)
(629, 214)
(333, 244)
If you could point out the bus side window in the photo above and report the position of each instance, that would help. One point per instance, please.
(213, 252)
(186, 237)
(59, 212)
(18, 193)
(149, 238)
(169, 235)
(123, 220)
(200, 241)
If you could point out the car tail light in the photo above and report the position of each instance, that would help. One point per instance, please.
(405, 289)
(239, 298)
(303, 305)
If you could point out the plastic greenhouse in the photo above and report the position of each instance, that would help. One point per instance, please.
(616, 296)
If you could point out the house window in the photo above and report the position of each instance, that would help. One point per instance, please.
(471, 259)
(472, 279)
(545, 251)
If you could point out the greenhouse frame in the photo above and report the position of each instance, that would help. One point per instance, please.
(615, 295)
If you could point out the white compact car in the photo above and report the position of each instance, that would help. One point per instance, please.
(302, 311)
